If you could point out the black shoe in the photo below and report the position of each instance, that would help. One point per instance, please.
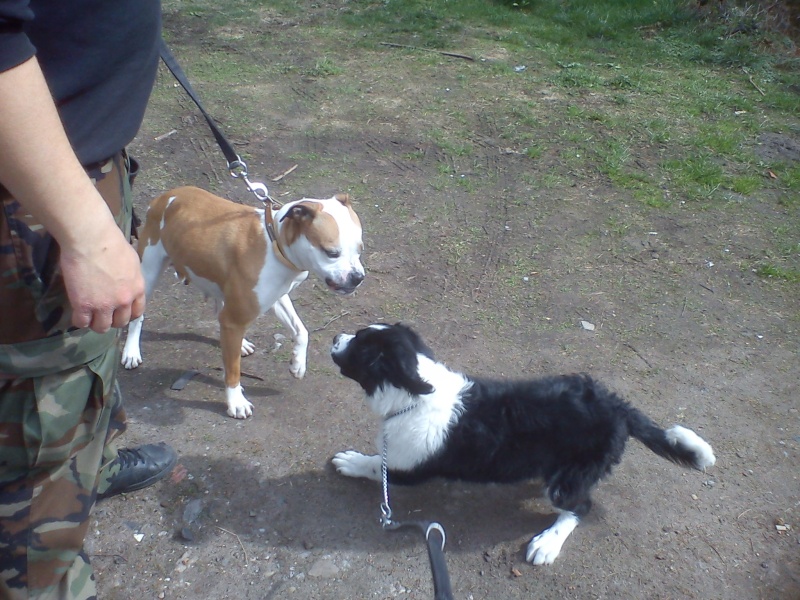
(140, 467)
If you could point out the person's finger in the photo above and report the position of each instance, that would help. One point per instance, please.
(81, 317)
(101, 320)
(138, 306)
(121, 317)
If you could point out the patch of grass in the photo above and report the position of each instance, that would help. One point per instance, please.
(446, 142)
(697, 175)
(772, 271)
(324, 67)
(746, 184)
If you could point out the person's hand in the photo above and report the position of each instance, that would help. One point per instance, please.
(103, 280)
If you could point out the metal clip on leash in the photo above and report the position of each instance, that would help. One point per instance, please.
(442, 589)
(238, 169)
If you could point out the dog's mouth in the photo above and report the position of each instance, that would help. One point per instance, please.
(344, 289)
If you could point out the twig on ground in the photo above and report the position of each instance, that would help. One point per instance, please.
(238, 539)
(453, 54)
(710, 545)
(244, 374)
(284, 174)
(347, 312)
(165, 135)
(639, 354)
(755, 85)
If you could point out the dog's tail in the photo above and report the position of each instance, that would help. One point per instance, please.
(677, 443)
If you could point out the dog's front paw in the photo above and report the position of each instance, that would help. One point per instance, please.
(239, 407)
(131, 358)
(248, 347)
(298, 367)
(355, 464)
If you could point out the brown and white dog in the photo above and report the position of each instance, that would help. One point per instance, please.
(248, 260)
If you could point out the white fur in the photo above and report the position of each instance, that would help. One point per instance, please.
(355, 464)
(680, 436)
(545, 547)
(131, 353)
(238, 406)
(417, 434)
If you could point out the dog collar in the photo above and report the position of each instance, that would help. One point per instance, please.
(402, 411)
(269, 223)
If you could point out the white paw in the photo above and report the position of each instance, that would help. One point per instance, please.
(355, 464)
(238, 406)
(298, 365)
(247, 347)
(131, 358)
(131, 352)
(545, 547)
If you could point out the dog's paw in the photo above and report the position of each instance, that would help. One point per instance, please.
(355, 464)
(297, 367)
(545, 547)
(247, 347)
(131, 359)
(238, 406)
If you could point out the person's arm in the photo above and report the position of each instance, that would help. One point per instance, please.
(100, 268)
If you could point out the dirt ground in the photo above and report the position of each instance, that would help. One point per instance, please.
(498, 273)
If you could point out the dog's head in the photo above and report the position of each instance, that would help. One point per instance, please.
(324, 236)
(382, 355)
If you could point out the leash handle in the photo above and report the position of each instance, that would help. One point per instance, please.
(435, 540)
(442, 590)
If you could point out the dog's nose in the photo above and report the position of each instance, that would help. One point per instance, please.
(355, 279)
(336, 338)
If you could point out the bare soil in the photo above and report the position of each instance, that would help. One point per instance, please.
(497, 271)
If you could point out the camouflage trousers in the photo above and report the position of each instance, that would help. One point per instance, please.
(60, 407)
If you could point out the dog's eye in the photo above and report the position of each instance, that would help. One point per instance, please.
(333, 253)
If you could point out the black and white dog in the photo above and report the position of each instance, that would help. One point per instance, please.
(567, 430)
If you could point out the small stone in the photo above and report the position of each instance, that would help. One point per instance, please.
(138, 536)
(324, 567)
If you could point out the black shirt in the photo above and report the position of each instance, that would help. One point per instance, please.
(99, 58)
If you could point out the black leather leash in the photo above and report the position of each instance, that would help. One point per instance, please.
(236, 166)
(441, 578)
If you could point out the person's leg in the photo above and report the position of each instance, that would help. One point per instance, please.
(53, 434)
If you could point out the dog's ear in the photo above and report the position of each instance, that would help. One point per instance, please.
(344, 199)
(302, 210)
(402, 368)
(415, 340)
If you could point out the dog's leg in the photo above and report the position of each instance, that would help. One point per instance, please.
(231, 336)
(355, 464)
(248, 347)
(545, 547)
(154, 259)
(284, 310)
